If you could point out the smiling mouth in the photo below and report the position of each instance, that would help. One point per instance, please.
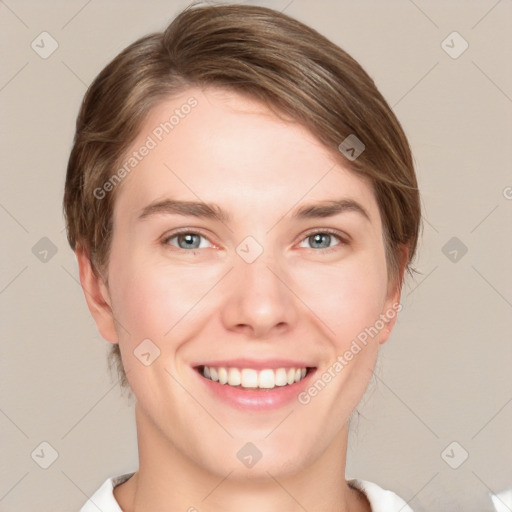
(254, 380)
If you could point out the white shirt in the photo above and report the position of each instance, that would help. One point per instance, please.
(380, 500)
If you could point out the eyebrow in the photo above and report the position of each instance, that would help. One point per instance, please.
(320, 209)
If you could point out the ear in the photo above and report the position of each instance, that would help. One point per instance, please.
(392, 304)
(97, 297)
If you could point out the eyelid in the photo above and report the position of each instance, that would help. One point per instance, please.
(343, 238)
(188, 231)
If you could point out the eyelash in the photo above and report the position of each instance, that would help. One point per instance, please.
(343, 241)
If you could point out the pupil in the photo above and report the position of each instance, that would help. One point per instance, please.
(318, 237)
(189, 240)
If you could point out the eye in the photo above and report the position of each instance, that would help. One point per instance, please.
(186, 240)
(322, 240)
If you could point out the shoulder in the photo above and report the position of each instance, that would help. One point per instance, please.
(381, 500)
(103, 498)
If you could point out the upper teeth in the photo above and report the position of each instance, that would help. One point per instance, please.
(250, 378)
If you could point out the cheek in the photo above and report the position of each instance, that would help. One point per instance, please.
(158, 304)
(346, 298)
(159, 301)
(154, 299)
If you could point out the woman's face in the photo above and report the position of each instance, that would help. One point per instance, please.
(268, 276)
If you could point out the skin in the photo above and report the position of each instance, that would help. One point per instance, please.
(295, 300)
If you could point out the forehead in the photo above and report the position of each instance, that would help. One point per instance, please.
(219, 146)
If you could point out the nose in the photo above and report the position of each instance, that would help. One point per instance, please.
(258, 299)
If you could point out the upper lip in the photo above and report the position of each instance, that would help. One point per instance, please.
(260, 364)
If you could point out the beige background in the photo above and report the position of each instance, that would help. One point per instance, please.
(445, 374)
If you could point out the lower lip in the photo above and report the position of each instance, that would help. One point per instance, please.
(256, 399)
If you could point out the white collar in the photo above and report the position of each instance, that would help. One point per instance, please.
(380, 499)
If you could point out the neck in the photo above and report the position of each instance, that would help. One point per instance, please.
(168, 479)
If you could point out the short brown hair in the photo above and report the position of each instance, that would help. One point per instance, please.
(249, 50)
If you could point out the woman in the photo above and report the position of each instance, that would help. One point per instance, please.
(243, 206)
